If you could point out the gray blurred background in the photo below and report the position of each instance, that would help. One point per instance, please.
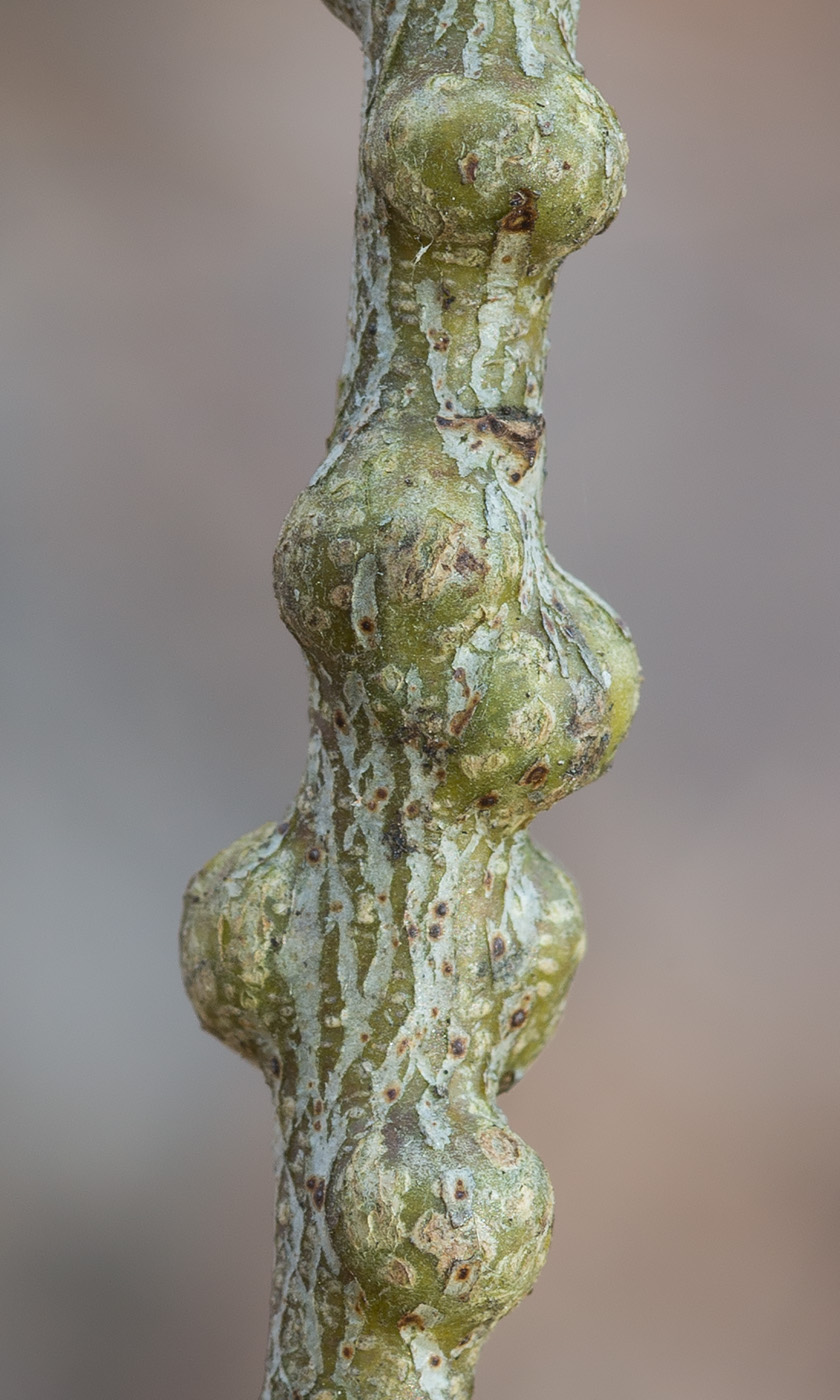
(170, 336)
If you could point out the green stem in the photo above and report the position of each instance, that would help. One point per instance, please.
(396, 953)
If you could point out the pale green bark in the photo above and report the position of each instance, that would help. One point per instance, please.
(397, 952)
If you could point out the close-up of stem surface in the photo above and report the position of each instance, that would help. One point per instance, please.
(396, 952)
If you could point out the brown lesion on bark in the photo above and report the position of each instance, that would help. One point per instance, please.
(468, 168)
(317, 1188)
(462, 717)
(523, 212)
(535, 776)
(518, 433)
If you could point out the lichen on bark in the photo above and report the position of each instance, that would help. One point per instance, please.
(395, 954)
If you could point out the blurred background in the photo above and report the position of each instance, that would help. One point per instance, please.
(170, 336)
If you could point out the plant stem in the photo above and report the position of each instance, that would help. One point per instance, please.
(396, 953)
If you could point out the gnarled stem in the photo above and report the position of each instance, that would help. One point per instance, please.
(397, 952)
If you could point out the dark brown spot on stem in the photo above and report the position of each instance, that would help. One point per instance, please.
(466, 563)
(317, 1188)
(523, 212)
(397, 842)
(535, 776)
(461, 719)
(519, 433)
(468, 168)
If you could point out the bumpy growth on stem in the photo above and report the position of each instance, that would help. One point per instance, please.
(396, 953)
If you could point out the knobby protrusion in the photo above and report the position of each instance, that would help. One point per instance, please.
(396, 953)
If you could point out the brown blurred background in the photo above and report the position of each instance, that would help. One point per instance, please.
(170, 336)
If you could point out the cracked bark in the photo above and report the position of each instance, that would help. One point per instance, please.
(395, 954)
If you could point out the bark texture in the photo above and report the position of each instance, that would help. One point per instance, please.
(396, 953)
